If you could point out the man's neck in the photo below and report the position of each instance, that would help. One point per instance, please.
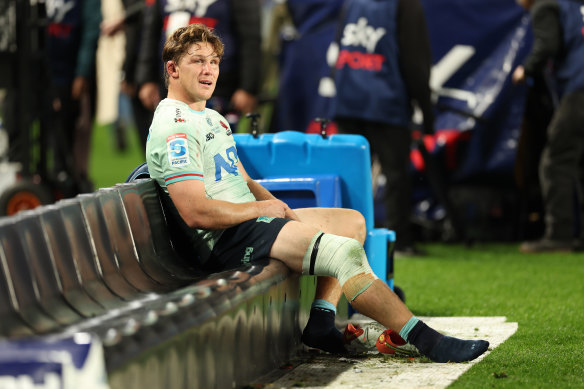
(194, 105)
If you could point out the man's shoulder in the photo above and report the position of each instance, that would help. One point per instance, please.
(172, 116)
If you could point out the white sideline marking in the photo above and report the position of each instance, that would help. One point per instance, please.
(375, 371)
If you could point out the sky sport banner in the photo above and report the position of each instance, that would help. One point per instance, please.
(476, 45)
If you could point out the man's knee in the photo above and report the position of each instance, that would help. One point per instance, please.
(339, 257)
(359, 226)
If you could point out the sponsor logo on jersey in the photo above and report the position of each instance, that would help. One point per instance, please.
(178, 117)
(228, 130)
(265, 219)
(248, 255)
(209, 122)
(178, 150)
(210, 136)
(361, 34)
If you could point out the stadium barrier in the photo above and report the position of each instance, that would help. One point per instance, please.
(98, 272)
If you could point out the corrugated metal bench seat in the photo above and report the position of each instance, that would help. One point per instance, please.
(104, 264)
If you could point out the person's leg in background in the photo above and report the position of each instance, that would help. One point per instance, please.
(392, 146)
(559, 169)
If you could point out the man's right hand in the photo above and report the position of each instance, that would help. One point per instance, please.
(149, 95)
(272, 208)
(518, 76)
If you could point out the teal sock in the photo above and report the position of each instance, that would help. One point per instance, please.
(405, 331)
(323, 304)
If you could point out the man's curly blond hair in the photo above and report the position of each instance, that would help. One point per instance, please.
(178, 44)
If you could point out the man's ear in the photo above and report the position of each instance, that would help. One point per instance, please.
(171, 69)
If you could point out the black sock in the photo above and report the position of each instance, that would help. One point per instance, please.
(320, 331)
(440, 348)
(424, 337)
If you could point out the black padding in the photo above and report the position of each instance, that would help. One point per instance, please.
(140, 172)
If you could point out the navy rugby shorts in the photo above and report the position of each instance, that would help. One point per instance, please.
(249, 241)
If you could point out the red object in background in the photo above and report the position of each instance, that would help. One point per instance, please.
(449, 139)
(314, 128)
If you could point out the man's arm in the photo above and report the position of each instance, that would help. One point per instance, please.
(547, 35)
(416, 57)
(261, 193)
(147, 71)
(198, 211)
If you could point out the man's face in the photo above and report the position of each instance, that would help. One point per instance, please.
(198, 72)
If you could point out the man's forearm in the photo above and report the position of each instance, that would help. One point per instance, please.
(259, 191)
(218, 214)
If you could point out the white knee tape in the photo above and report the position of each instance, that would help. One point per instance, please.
(336, 256)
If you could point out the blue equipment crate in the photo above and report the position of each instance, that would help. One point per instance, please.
(319, 190)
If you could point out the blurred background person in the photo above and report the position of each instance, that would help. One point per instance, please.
(131, 110)
(382, 72)
(73, 31)
(558, 29)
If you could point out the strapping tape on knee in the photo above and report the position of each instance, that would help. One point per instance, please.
(339, 257)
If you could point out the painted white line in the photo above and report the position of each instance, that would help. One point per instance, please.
(378, 371)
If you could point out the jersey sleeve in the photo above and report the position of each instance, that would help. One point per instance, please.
(174, 151)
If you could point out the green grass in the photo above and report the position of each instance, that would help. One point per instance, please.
(544, 294)
(108, 166)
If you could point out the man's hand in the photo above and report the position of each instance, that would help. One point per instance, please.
(290, 214)
(518, 75)
(112, 27)
(128, 88)
(243, 101)
(149, 95)
(273, 208)
(80, 86)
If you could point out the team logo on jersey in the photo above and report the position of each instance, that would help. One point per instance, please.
(178, 117)
(265, 219)
(178, 150)
(210, 136)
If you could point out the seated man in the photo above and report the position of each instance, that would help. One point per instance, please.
(192, 155)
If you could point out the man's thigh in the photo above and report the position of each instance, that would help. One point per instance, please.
(338, 221)
(292, 243)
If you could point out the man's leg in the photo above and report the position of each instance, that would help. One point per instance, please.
(307, 250)
(320, 331)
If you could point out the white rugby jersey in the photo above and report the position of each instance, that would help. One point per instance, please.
(184, 144)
